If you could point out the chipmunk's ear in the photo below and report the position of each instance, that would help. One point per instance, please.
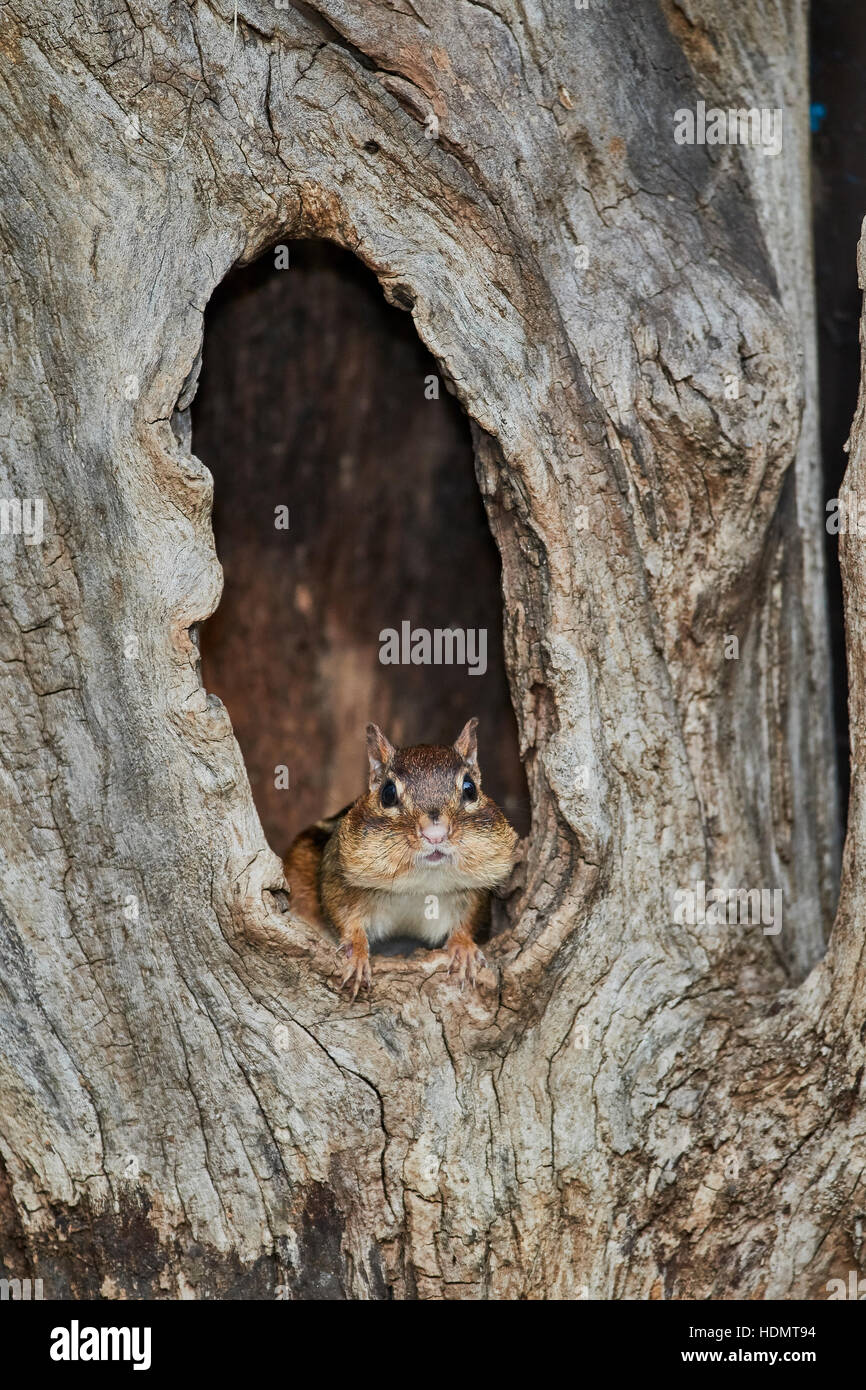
(379, 750)
(466, 744)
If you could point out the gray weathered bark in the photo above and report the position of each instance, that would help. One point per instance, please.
(630, 1108)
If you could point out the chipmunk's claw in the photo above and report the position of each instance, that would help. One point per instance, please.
(464, 962)
(356, 973)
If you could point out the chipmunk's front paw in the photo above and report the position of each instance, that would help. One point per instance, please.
(356, 973)
(464, 962)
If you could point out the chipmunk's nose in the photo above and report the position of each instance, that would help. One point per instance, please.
(434, 832)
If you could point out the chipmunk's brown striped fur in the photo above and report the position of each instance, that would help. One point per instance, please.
(416, 855)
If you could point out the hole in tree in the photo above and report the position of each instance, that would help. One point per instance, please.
(317, 396)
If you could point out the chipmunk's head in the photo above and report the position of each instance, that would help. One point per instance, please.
(426, 812)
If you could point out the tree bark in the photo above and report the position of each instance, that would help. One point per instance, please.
(630, 1108)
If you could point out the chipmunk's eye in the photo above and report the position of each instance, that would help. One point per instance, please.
(470, 791)
(388, 795)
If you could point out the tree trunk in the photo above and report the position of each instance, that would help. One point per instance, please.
(630, 1107)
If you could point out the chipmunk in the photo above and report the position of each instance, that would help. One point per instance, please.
(416, 855)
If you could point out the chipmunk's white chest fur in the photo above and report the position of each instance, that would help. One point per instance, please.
(422, 911)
